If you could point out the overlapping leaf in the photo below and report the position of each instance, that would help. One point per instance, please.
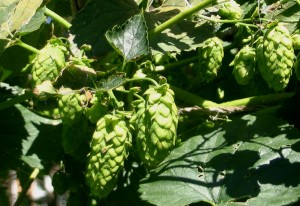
(90, 25)
(248, 161)
(14, 15)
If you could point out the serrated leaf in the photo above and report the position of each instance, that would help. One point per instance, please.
(130, 39)
(18, 13)
(34, 24)
(90, 24)
(112, 82)
(249, 160)
(14, 15)
(23, 133)
(33, 161)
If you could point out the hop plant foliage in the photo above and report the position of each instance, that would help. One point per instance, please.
(231, 10)
(156, 124)
(210, 58)
(48, 62)
(275, 56)
(244, 65)
(70, 107)
(108, 151)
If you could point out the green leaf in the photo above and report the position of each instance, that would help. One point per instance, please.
(130, 39)
(34, 24)
(185, 35)
(18, 13)
(249, 160)
(33, 161)
(288, 13)
(28, 137)
(112, 82)
(13, 15)
(90, 24)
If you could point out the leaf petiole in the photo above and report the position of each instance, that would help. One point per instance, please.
(142, 79)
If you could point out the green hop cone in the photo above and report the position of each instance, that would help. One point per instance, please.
(296, 40)
(244, 65)
(210, 58)
(70, 107)
(48, 62)
(275, 56)
(156, 124)
(231, 10)
(109, 148)
(297, 66)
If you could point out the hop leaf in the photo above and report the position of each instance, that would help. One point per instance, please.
(108, 152)
(231, 10)
(48, 62)
(244, 65)
(210, 58)
(156, 124)
(70, 107)
(275, 56)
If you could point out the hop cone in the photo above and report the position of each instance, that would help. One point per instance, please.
(297, 67)
(231, 10)
(244, 65)
(70, 107)
(48, 63)
(275, 57)
(296, 40)
(210, 58)
(156, 124)
(107, 155)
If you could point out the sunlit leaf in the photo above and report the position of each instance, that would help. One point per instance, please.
(249, 160)
(131, 38)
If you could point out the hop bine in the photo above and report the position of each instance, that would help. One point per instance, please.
(156, 123)
(275, 56)
(108, 151)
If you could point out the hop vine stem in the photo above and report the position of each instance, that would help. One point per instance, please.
(57, 18)
(182, 15)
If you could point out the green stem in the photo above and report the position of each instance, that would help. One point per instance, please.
(143, 79)
(57, 18)
(16, 100)
(270, 99)
(32, 177)
(224, 20)
(182, 15)
(113, 97)
(26, 46)
(176, 64)
(191, 98)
